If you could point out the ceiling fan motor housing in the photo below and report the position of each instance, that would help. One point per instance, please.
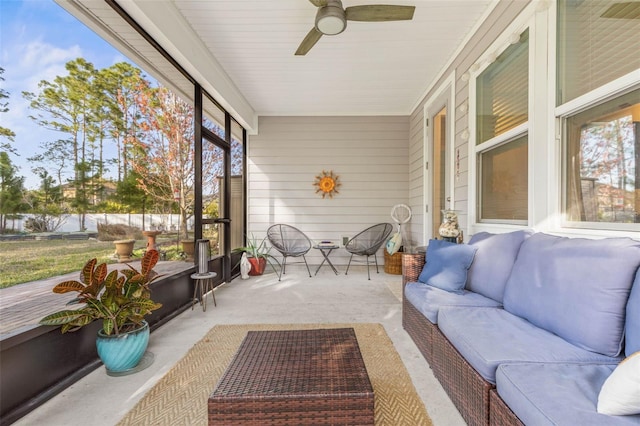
(330, 19)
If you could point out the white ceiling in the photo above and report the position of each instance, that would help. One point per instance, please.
(244, 49)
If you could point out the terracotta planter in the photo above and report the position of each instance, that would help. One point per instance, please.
(124, 250)
(257, 265)
(151, 239)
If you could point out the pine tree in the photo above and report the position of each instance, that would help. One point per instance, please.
(11, 190)
(5, 133)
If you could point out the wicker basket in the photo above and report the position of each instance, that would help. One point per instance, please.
(412, 265)
(393, 262)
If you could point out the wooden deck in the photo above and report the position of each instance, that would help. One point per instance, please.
(22, 305)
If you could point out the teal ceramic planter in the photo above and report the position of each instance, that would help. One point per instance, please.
(122, 352)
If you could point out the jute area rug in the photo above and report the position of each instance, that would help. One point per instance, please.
(180, 397)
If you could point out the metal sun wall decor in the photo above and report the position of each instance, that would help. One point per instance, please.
(327, 183)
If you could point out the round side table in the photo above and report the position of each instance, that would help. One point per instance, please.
(203, 284)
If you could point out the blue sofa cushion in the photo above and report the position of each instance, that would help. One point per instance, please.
(488, 337)
(557, 393)
(632, 323)
(574, 287)
(493, 262)
(447, 265)
(428, 299)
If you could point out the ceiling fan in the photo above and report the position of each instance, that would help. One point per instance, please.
(331, 18)
(623, 10)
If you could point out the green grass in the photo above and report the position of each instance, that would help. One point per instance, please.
(25, 261)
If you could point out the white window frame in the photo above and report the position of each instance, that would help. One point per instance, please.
(534, 19)
(618, 88)
(557, 179)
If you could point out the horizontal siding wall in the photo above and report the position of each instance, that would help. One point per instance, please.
(502, 15)
(369, 154)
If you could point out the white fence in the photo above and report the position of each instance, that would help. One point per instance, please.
(165, 222)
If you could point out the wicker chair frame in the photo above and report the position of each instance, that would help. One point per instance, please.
(289, 241)
(367, 243)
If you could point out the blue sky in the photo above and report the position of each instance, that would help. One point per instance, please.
(37, 37)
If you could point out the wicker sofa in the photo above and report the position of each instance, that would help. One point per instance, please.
(540, 324)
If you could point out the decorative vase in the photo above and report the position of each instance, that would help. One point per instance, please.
(245, 266)
(449, 229)
(257, 265)
(188, 247)
(124, 250)
(124, 351)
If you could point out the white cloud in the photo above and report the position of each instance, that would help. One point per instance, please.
(26, 64)
(39, 54)
(41, 61)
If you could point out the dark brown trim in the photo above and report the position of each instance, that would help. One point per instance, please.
(197, 166)
(227, 195)
(244, 183)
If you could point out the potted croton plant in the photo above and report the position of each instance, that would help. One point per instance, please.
(121, 299)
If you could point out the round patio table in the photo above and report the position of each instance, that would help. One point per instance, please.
(203, 283)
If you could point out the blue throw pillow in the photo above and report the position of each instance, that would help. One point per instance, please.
(447, 265)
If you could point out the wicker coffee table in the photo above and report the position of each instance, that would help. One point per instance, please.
(295, 377)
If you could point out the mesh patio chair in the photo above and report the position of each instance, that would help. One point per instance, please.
(290, 242)
(367, 243)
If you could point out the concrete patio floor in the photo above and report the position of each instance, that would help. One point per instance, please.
(99, 399)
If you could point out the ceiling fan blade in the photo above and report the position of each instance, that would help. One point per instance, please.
(624, 10)
(319, 3)
(379, 13)
(309, 41)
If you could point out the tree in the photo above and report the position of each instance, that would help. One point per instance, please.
(55, 154)
(46, 204)
(5, 133)
(607, 155)
(122, 83)
(11, 190)
(129, 197)
(69, 105)
(50, 193)
(164, 159)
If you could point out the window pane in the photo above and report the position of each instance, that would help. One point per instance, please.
(212, 194)
(598, 42)
(237, 185)
(213, 117)
(504, 182)
(439, 168)
(502, 92)
(603, 147)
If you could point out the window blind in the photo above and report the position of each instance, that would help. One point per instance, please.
(502, 92)
(598, 42)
